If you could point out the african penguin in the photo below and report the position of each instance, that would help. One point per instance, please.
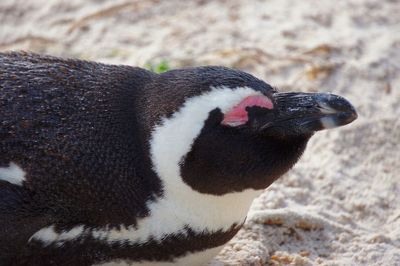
(115, 165)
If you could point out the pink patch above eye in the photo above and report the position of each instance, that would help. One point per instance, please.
(238, 115)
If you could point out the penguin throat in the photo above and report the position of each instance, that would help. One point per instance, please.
(238, 114)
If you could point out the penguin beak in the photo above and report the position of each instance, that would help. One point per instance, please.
(305, 113)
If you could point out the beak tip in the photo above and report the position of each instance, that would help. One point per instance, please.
(339, 111)
(353, 115)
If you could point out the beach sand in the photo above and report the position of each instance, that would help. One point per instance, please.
(340, 205)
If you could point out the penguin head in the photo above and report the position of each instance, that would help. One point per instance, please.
(219, 130)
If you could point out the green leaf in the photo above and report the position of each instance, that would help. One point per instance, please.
(161, 67)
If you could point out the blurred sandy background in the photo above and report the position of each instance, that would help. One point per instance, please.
(340, 205)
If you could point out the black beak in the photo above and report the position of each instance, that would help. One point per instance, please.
(305, 113)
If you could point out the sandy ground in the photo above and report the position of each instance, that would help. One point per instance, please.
(340, 203)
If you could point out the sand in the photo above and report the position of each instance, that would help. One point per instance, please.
(340, 205)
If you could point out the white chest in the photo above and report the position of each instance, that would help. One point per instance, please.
(200, 212)
(203, 213)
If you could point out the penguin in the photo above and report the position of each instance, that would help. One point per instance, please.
(116, 165)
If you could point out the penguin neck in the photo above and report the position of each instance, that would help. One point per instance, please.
(202, 211)
(170, 142)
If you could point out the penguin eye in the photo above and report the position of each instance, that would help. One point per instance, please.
(238, 114)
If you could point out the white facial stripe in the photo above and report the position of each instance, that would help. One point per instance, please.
(181, 205)
(173, 139)
(13, 174)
